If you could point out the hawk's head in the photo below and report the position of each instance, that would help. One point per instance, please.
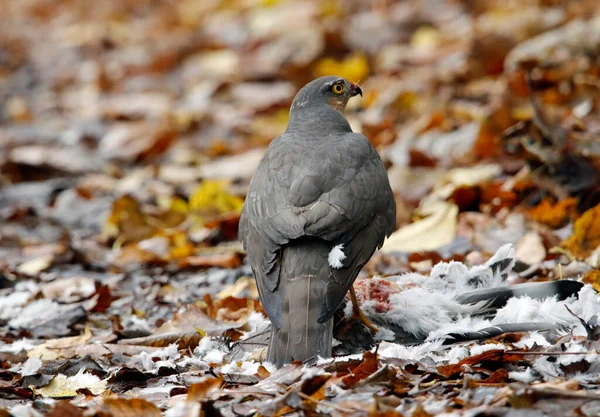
(332, 91)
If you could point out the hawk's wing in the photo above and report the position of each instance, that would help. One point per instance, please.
(335, 189)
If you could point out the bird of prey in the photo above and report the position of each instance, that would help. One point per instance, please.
(318, 206)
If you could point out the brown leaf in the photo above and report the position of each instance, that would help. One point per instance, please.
(133, 407)
(366, 368)
(498, 376)
(198, 391)
(65, 409)
(491, 356)
(419, 411)
(139, 140)
(223, 260)
(487, 144)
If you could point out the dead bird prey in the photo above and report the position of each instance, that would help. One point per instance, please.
(318, 206)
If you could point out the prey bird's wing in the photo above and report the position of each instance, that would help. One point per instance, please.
(335, 189)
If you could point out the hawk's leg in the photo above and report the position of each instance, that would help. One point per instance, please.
(357, 312)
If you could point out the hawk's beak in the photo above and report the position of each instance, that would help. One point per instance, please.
(355, 90)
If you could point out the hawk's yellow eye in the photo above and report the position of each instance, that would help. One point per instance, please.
(338, 88)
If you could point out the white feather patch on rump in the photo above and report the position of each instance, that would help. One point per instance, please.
(336, 256)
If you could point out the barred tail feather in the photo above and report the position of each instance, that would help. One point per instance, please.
(303, 281)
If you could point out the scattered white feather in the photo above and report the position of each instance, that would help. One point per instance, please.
(574, 346)
(325, 361)
(527, 376)
(84, 379)
(434, 406)
(553, 367)
(134, 323)
(479, 349)
(63, 386)
(31, 367)
(167, 357)
(184, 409)
(257, 323)
(456, 354)
(336, 256)
(33, 311)
(161, 389)
(348, 311)
(18, 346)
(310, 372)
(24, 411)
(532, 339)
(416, 353)
(214, 356)
(550, 371)
(11, 305)
(206, 344)
(384, 334)
(246, 367)
(207, 351)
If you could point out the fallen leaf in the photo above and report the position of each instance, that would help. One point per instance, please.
(34, 266)
(65, 409)
(425, 38)
(586, 234)
(495, 356)
(354, 67)
(127, 221)
(530, 249)
(593, 278)
(140, 140)
(199, 390)
(366, 368)
(554, 215)
(430, 233)
(70, 290)
(55, 348)
(223, 260)
(129, 407)
(211, 199)
(62, 386)
(234, 290)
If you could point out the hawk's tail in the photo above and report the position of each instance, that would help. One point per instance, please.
(304, 272)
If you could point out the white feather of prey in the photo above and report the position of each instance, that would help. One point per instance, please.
(426, 307)
(420, 311)
(336, 256)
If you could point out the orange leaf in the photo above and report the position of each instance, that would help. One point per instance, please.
(367, 367)
(498, 376)
(586, 234)
(554, 215)
(223, 260)
(593, 278)
(487, 144)
(491, 356)
(262, 372)
(198, 392)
